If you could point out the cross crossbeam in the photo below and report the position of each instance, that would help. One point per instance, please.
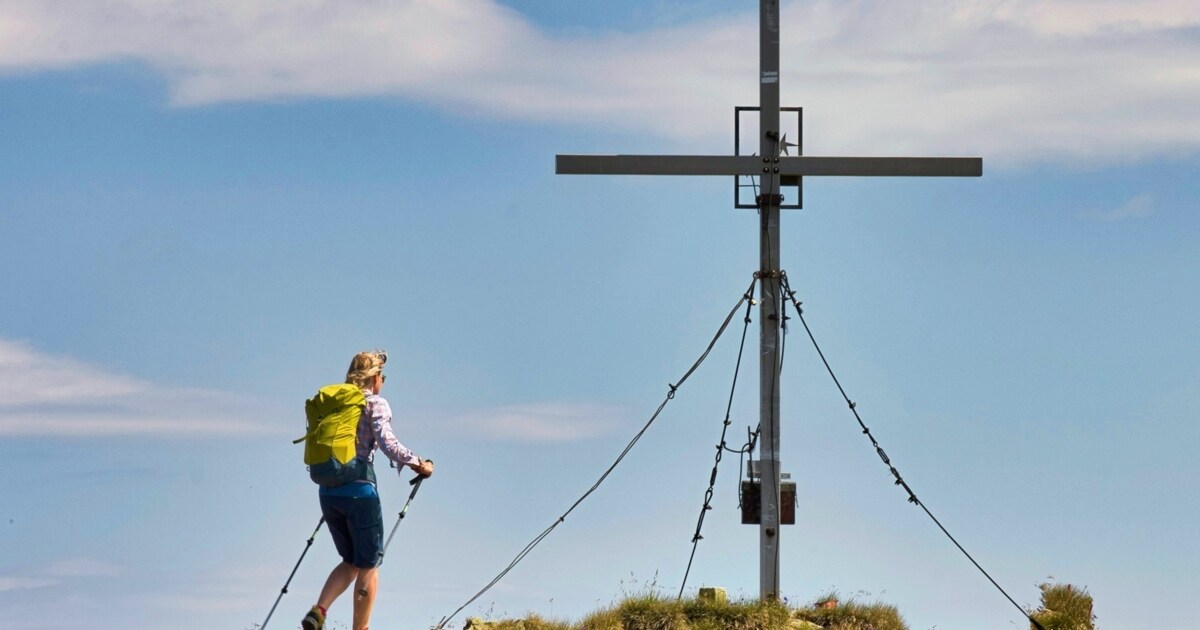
(754, 165)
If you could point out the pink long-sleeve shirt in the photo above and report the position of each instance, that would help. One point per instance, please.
(375, 431)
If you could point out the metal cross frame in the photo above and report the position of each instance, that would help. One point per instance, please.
(785, 182)
(770, 167)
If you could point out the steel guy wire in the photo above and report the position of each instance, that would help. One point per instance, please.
(747, 448)
(721, 445)
(912, 497)
(672, 389)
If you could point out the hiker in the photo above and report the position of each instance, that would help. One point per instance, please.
(352, 509)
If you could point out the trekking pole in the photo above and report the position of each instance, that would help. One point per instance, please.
(289, 580)
(416, 484)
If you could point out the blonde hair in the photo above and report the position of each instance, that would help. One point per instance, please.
(364, 366)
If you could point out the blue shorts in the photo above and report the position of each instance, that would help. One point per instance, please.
(356, 524)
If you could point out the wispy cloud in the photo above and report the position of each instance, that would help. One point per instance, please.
(24, 583)
(58, 572)
(231, 587)
(540, 422)
(1138, 207)
(44, 394)
(82, 567)
(1013, 80)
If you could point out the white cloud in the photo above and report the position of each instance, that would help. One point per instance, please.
(1139, 207)
(1013, 80)
(42, 394)
(541, 422)
(82, 567)
(29, 378)
(54, 573)
(24, 584)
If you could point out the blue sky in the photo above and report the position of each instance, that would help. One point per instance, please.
(207, 208)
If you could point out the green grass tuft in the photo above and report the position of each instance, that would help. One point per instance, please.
(532, 622)
(851, 615)
(1064, 607)
(653, 612)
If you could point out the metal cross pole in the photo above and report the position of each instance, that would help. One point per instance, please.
(769, 167)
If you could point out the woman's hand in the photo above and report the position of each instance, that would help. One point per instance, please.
(424, 468)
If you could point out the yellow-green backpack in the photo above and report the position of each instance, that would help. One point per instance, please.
(330, 445)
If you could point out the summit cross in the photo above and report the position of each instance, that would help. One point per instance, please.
(770, 167)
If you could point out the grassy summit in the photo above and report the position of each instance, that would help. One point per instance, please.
(1064, 607)
(653, 612)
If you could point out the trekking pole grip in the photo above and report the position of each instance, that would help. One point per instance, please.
(419, 478)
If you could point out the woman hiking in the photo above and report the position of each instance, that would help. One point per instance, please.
(352, 509)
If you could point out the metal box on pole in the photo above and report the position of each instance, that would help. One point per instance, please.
(752, 498)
